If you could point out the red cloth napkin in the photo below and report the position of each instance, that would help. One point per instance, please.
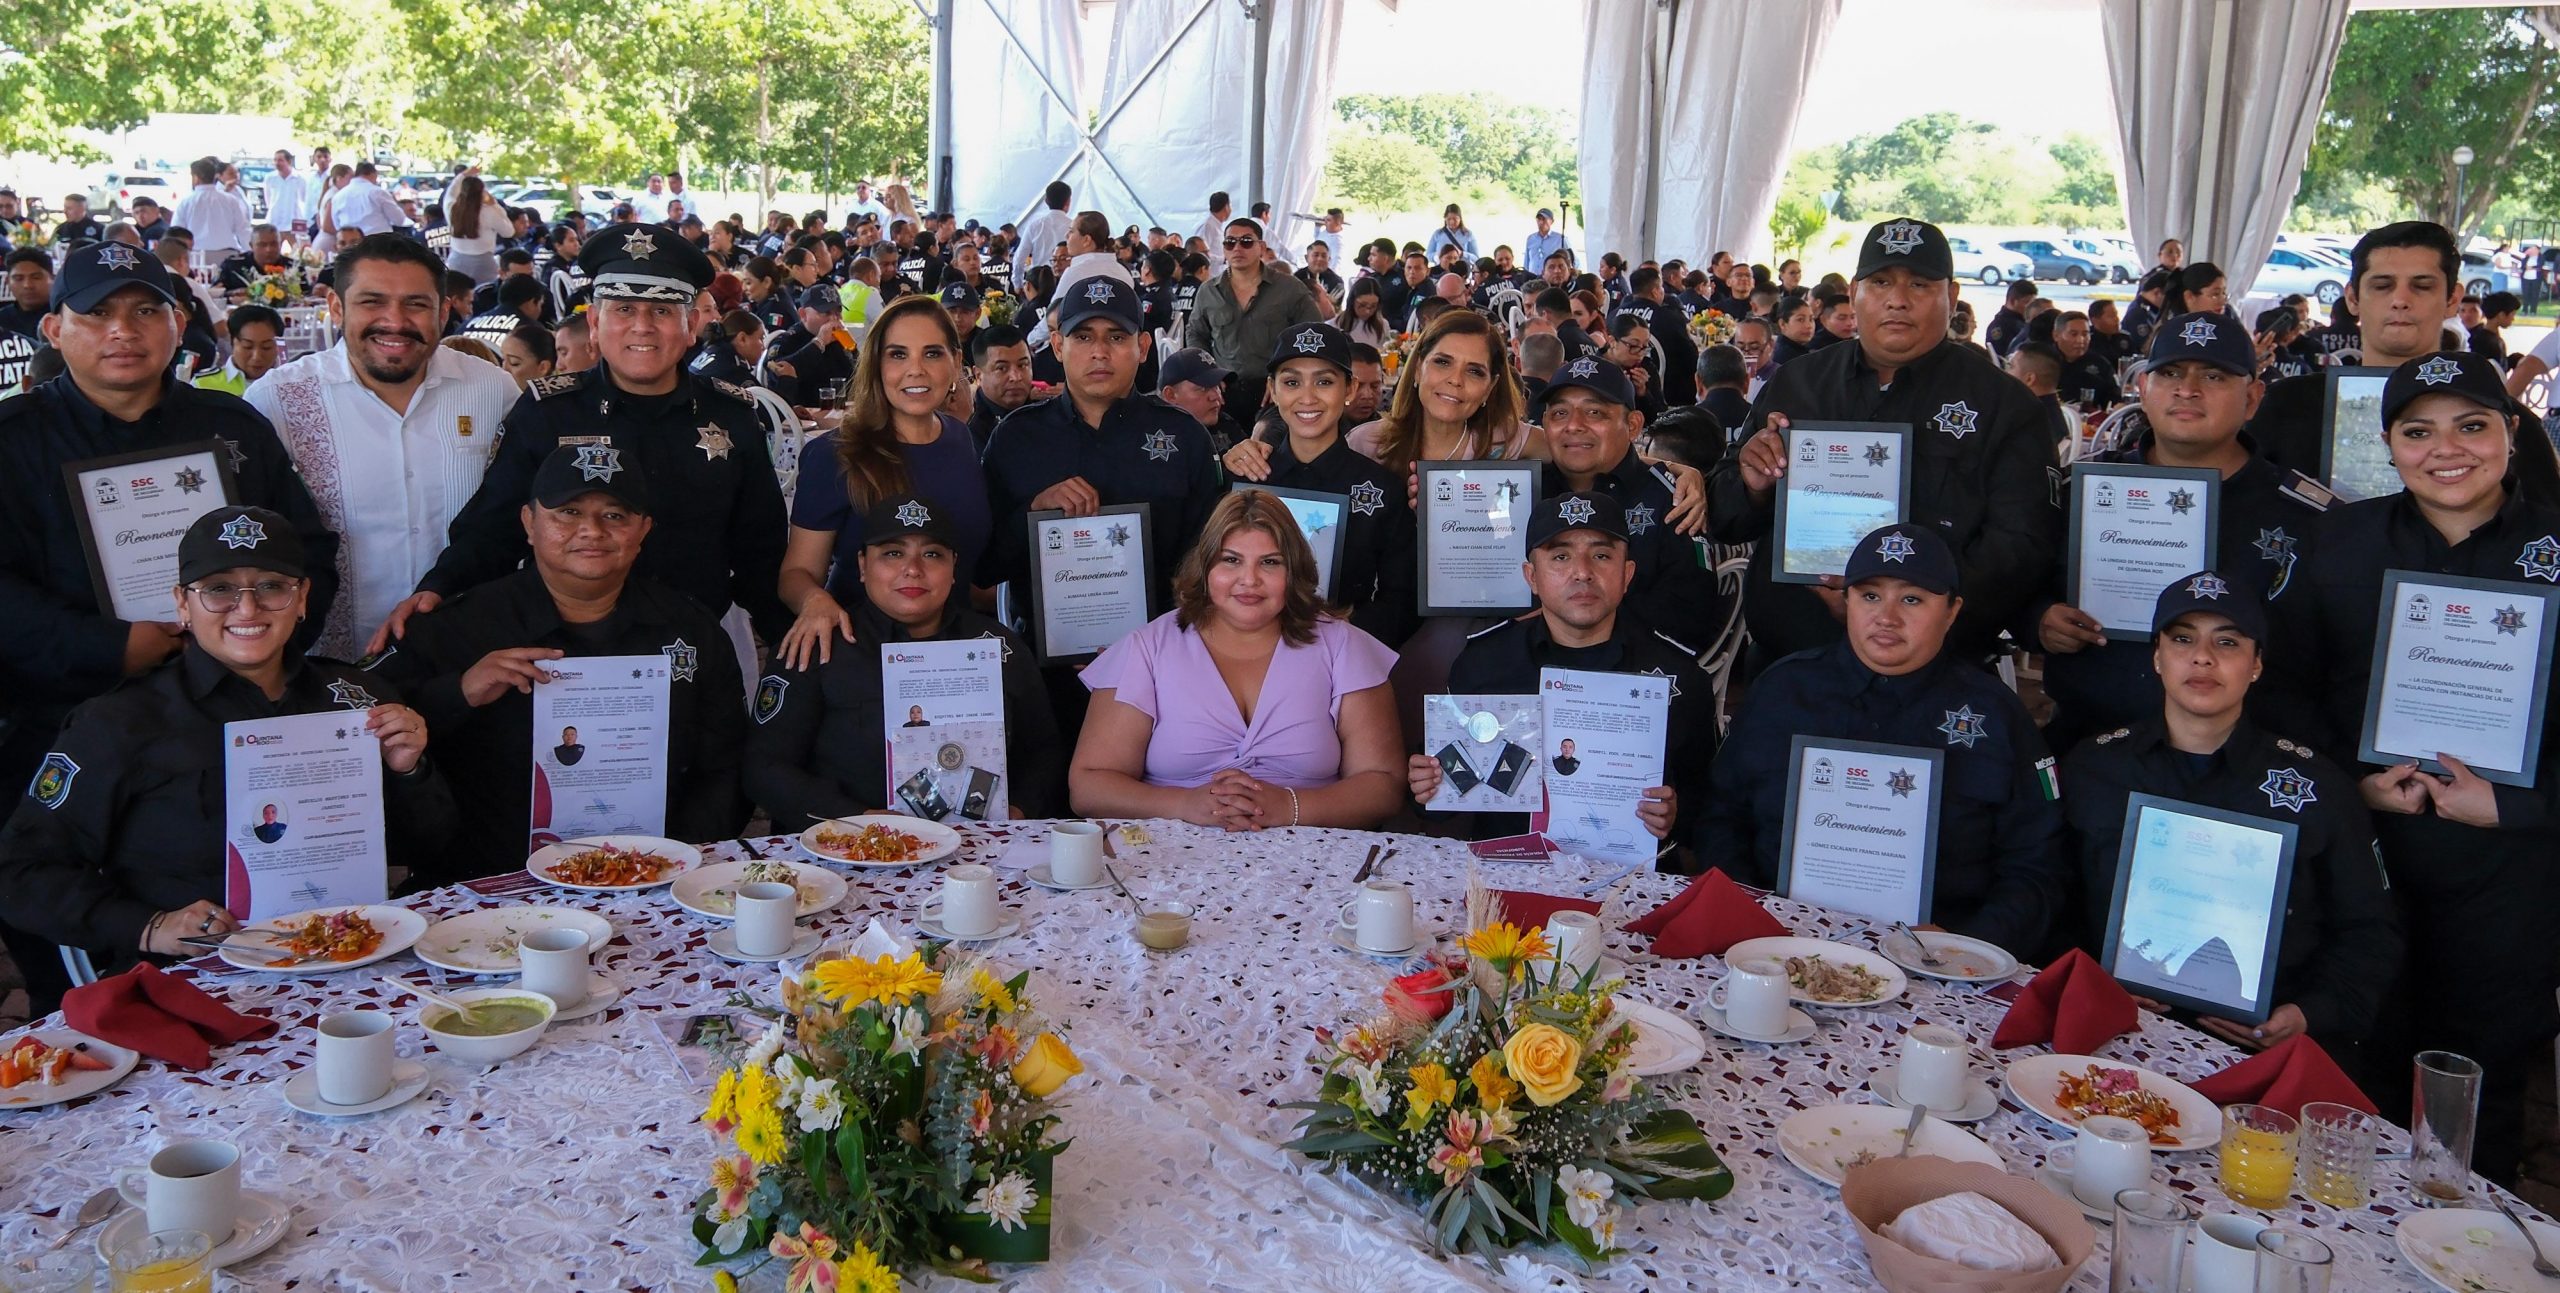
(1531, 910)
(2286, 1076)
(1706, 918)
(2074, 1004)
(164, 1018)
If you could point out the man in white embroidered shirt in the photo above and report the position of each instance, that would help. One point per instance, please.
(289, 198)
(362, 205)
(390, 431)
(219, 220)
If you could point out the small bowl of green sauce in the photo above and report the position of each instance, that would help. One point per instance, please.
(502, 1023)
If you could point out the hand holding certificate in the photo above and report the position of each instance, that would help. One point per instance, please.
(600, 748)
(1844, 481)
(133, 509)
(1602, 738)
(942, 705)
(2461, 667)
(2198, 912)
(303, 827)
(1474, 526)
(1089, 579)
(2134, 529)
(1862, 828)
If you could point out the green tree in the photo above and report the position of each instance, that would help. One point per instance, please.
(110, 66)
(2086, 192)
(567, 88)
(1480, 141)
(1795, 221)
(2412, 86)
(1371, 171)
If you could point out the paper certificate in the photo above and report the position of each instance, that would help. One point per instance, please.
(2198, 912)
(600, 748)
(2355, 461)
(942, 711)
(1474, 523)
(302, 817)
(1844, 481)
(1320, 518)
(1089, 579)
(1862, 828)
(2134, 531)
(1601, 735)
(2461, 667)
(1488, 752)
(132, 509)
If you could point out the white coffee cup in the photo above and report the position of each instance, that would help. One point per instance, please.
(1755, 998)
(188, 1185)
(2111, 1154)
(353, 1056)
(1075, 853)
(768, 913)
(969, 900)
(1933, 1068)
(1381, 918)
(2225, 1256)
(555, 965)
(1576, 937)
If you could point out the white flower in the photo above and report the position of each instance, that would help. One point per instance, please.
(909, 1038)
(1521, 1273)
(731, 1235)
(1373, 1092)
(1006, 1201)
(787, 1079)
(1586, 1196)
(766, 1047)
(820, 1107)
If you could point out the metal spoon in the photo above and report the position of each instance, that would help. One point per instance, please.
(1911, 1129)
(431, 998)
(1927, 957)
(100, 1206)
(1124, 891)
(2541, 1264)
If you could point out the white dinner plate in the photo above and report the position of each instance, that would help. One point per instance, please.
(685, 856)
(1822, 1141)
(400, 928)
(485, 941)
(1779, 949)
(1960, 959)
(2473, 1250)
(75, 1082)
(2035, 1081)
(1665, 1043)
(940, 841)
(711, 892)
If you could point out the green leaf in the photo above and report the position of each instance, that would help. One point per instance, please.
(849, 1155)
(1339, 1142)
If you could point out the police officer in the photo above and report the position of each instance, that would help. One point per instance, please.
(1589, 411)
(816, 748)
(1580, 569)
(118, 846)
(2470, 860)
(2341, 940)
(2199, 385)
(718, 537)
(1895, 679)
(472, 665)
(519, 302)
(1981, 456)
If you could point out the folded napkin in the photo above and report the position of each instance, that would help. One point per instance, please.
(2286, 1076)
(162, 1017)
(2074, 1004)
(1531, 910)
(1974, 1233)
(1712, 914)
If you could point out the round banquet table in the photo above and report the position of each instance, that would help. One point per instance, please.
(575, 1165)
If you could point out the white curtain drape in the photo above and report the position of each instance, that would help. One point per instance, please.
(1017, 73)
(2216, 101)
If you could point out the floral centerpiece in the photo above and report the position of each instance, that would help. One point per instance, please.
(898, 1115)
(1493, 1088)
(998, 309)
(1712, 328)
(282, 286)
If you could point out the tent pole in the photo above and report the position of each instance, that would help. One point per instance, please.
(939, 177)
(2204, 239)
(1258, 12)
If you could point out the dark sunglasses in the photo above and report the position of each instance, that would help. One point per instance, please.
(1243, 242)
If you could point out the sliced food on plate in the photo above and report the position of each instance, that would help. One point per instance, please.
(2069, 1088)
(712, 891)
(880, 840)
(47, 1066)
(613, 863)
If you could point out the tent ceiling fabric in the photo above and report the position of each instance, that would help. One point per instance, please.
(1013, 111)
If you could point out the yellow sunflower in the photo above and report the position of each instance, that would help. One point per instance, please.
(864, 1272)
(992, 994)
(849, 981)
(760, 1134)
(899, 981)
(1506, 944)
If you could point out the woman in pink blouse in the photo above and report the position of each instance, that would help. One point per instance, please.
(1250, 705)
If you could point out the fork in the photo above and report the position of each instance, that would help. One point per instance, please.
(1927, 957)
(2541, 1265)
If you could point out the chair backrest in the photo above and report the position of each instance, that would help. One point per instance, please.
(1727, 647)
(784, 436)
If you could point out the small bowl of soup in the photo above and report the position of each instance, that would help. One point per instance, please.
(501, 1024)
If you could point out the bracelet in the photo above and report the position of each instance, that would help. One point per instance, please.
(151, 927)
(1293, 804)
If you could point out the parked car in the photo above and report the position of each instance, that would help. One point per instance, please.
(1988, 264)
(2480, 277)
(2301, 269)
(2054, 260)
(546, 202)
(113, 194)
(2117, 259)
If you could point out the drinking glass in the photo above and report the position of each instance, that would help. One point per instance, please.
(2338, 1145)
(56, 1272)
(2151, 1242)
(2257, 1155)
(2444, 1112)
(167, 1261)
(2290, 1261)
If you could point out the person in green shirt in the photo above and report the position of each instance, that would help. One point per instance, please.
(257, 334)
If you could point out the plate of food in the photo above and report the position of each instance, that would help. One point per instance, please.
(613, 863)
(46, 1066)
(879, 840)
(324, 938)
(2473, 1250)
(490, 940)
(1826, 974)
(1826, 1142)
(712, 891)
(1665, 1042)
(2067, 1088)
(1960, 959)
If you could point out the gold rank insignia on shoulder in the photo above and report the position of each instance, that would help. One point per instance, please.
(544, 387)
(2110, 736)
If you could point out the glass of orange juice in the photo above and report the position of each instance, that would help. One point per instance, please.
(169, 1261)
(2258, 1149)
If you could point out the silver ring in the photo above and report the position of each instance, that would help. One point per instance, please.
(205, 926)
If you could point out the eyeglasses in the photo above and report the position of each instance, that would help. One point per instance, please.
(1233, 243)
(270, 595)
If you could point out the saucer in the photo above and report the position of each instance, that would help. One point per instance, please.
(929, 923)
(302, 1091)
(1800, 1026)
(723, 943)
(2058, 1180)
(1041, 876)
(262, 1221)
(1342, 938)
(1981, 1099)
(602, 992)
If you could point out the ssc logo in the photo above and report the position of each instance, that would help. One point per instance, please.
(2420, 610)
(1806, 451)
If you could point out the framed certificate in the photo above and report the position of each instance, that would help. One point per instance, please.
(1320, 519)
(133, 508)
(2134, 529)
(1862, 827)
(1844, 481)
(1474, 527)
(1090, 586)
(2198, 911)
(2355, 461)
(1487, 748)
(2461, 666)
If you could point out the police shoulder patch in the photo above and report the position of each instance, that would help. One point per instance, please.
(769, 693)
(375, 659)
(556, 384)
(52, 783)
(729, 388)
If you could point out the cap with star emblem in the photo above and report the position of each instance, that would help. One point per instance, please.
(1910, 552)
(642, 262)
(2205, 592)
(1318, 341)
(1099, 297)
(823, 298)
(1598, 376)
(1558, 514)
(1190, 364)
(905, 515)
(93, 273)
(960, 296)
(575, 470)
(2205, 338)
(2476, 378)
(227, 538)
(1915, 245)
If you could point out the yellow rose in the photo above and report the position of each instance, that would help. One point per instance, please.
(1046, 1066)
(1543, 1057)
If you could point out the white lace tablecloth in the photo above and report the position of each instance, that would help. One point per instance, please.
(574, 1165)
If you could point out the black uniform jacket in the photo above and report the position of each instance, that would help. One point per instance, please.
(1144, 452)
(1675, 588)
(1375, 578)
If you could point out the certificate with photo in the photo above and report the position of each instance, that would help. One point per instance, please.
(2355, 461)
(2461, 666)
(942, 711)
(303, 825)
(1601, 736)
(2134, 531)
(1473, 520)
(1844, 481)
(600, 748)
(1320, 518)
(133, 508)
(2198, 912)
(1861, 829)
(1487, 747)
(1089, 580)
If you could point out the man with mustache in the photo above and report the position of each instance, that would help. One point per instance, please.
(390, 430)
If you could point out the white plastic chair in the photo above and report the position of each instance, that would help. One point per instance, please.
(1722, 654)
(783, 438)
